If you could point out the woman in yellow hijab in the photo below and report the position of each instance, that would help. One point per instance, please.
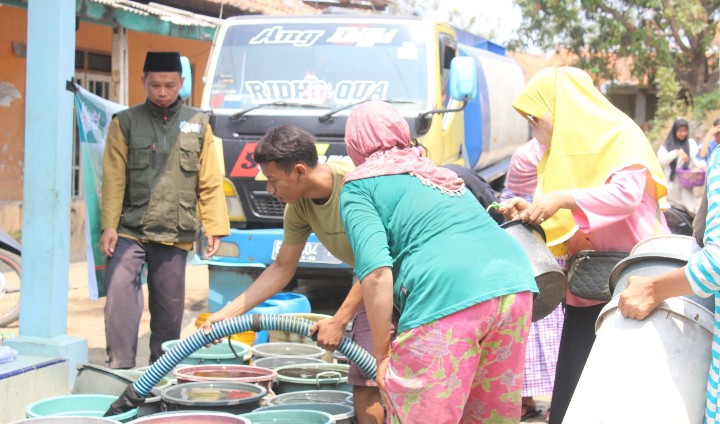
(599, 184)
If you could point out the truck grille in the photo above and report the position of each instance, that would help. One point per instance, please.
(265, 204)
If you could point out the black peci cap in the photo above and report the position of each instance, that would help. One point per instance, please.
(162, 62)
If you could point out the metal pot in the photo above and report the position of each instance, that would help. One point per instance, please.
(550, 279)
(672, 244)
(648, 265)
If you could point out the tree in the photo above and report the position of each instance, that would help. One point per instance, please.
(677, 34)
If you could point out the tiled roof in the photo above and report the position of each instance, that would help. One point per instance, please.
(166, 13)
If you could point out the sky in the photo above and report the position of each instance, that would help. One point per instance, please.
(499, 17)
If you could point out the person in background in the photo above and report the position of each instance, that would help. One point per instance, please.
(462, 285)
(543, 343)
(288, 157)
(680, 152)
(700, 277)
(159, 169)
(712, 139)
(598, 188)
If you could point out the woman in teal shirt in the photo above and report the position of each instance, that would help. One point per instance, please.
(461, 284)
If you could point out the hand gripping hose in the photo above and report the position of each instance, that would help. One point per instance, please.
(135, 393)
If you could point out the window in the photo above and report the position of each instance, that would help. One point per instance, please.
(448, 50)
(93, 72)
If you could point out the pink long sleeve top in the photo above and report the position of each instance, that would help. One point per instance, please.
(614, 217)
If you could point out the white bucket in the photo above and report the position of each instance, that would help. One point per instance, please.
(650, 371)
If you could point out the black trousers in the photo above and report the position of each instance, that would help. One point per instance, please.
(125, 303)
(578, 336)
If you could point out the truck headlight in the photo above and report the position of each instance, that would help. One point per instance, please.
(232, 201)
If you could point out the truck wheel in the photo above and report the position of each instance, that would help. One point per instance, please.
(10, 265)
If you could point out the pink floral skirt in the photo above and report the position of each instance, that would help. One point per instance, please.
(466, 367)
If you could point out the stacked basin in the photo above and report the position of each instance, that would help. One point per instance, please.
(215, 386)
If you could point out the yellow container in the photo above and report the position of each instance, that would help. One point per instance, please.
(247, 337)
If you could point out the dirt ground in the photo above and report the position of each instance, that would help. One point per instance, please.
(85, 316)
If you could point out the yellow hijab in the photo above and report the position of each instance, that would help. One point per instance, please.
(592, 139)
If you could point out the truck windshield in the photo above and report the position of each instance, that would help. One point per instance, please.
(327, 64)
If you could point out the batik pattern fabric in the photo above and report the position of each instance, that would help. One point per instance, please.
(466, 367)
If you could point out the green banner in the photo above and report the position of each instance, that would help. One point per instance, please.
(94, 114)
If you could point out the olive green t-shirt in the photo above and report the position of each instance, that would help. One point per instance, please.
(305, 216)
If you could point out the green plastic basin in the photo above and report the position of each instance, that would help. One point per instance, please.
(77, 406)
(290, 416)
(215, 354)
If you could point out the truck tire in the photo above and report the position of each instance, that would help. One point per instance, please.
(10, 265)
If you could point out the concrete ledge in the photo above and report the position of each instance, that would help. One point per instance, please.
(29, 379)
(72, 349)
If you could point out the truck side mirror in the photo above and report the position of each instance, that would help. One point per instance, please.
(463, 78)
(186, 88)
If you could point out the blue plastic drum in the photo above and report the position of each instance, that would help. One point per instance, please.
(290, 302)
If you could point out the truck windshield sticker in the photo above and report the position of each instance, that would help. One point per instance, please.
(313, 90)
(278, 35)
(362, 36)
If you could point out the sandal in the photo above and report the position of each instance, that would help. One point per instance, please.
(528, 411)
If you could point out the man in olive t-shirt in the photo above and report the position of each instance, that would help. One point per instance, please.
(288, 158)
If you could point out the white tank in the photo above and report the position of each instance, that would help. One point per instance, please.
(651, 371)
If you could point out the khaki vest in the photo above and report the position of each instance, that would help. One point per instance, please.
(160, 202)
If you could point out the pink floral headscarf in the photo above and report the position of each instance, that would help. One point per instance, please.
(378, 142)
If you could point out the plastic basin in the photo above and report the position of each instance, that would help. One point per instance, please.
(247, 337)
(273, 362)
(169, 376)
(220, 353)
(152, 401)
(290, 416)
(286, 336)
(193, 417)
(274, 349)
(300, 377)
(94, 379)
(341, 413)
(66, 420)
(312, 396)
(227, 373)
(85, 405)
(233, 398)
(135, 374)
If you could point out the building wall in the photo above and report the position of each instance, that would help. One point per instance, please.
(13, 29)
(89, 37)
